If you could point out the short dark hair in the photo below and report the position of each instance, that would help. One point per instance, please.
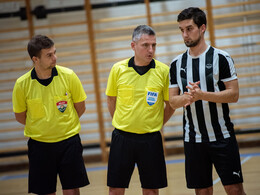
(195, 13)
(37, 43)
(140, 30)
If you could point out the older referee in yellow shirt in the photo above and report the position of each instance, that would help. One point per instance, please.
(137, 96)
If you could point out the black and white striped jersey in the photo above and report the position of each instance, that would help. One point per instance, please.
(204, 121)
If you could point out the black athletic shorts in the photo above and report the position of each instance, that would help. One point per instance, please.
(199, 158)
(144, 150)
(64, 158)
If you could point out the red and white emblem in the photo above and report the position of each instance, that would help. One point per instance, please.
(61, 105)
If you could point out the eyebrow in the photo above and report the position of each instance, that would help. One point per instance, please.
(186, 26)
(51, 52)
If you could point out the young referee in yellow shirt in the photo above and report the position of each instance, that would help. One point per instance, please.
(48, 100)
(138, 100)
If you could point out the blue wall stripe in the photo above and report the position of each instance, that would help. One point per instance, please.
(101, 168)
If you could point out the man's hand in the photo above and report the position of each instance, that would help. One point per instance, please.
(194, 93)
(188, 98)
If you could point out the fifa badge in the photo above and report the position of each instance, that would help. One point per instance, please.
(61, 105)
(151, 97)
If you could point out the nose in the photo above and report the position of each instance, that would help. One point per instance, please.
(184, 33)
(151, 48)
(55, 57)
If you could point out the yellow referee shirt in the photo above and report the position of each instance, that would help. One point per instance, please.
(50, 112)
(140, 98)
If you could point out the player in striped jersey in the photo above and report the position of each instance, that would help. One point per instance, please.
(203, 80)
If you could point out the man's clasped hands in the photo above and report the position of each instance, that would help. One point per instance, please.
(194, 93)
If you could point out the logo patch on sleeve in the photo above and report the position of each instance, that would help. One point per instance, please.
(61, 105)
(151, 97)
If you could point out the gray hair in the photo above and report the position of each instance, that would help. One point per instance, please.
(140, 30)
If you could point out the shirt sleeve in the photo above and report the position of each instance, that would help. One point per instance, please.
(77, 91)
(172, 75)
(111, 89)
(227, 70)
(18, 99)
(166, 88)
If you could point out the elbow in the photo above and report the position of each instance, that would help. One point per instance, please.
(83, 110)
(21, 121)
(235, 98)
(20, 117)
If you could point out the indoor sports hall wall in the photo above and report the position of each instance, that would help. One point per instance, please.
(234, 27)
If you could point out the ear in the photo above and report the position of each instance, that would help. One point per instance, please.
(35, 59)
(133, 45)
(203, 28)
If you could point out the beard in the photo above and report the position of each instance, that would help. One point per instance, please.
(52, 65)
(192, 43)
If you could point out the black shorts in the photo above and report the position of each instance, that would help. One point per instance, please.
(145, 150)
(199, 158)
(64, 158)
